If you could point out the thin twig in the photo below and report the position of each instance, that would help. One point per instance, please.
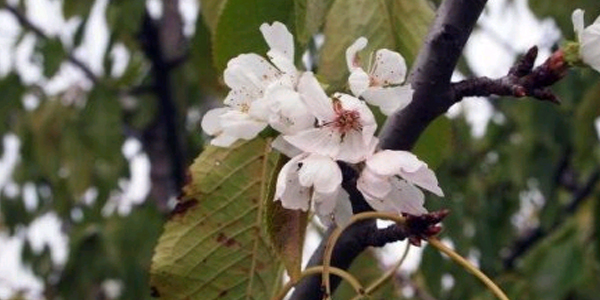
(38, 32)
(521, 81)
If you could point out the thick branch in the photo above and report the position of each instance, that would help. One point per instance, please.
(431, 73)
(38, 32)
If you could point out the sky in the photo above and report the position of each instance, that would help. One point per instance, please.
(499, 35)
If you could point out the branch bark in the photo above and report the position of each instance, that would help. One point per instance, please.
(430, 79)
(162, 41)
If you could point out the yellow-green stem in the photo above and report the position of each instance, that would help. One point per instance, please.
(469, 267)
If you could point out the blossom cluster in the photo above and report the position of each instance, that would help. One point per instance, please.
(318, 131)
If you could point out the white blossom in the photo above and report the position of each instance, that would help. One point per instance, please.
(589, 39)
(382, 85)
(261, 93)
(345, 126)
(388, 182)
(305, 177)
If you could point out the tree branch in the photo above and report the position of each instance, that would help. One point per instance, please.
(431, 73)
(38, 32)
(521, 81)
(162, 41)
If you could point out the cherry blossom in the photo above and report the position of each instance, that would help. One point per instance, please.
(389, 180)
(345, 126)
(381, 86)
(311, 178)
(261, 93)
(589, 39)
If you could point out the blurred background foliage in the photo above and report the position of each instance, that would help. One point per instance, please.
(522, 196)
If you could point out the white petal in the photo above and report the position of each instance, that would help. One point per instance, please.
(406, 198)
(343, 209)
(324, 203)
(353, 148)
(288, 113)
(425, 178)
(249, 74)
(236, 123)
(260, 108)
(288, 189)
(333, 210)
(324, 141)
(279, 39)
(321, 172)
(389, 162)
(241, 99)
(314, 97)
(358, 81)
(389, 68)
(590, 46)
(284, 64)
(577, 18)
(281, 145)
(389, 99)
(373, 186)
(224, 140)
(351, 53)
(211, 122)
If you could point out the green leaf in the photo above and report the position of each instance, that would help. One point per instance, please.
(286, 228)
(201, 57)
(429, 146)
(398, 25)
(213, 245)
(585, 138)
(12, 90)
(54, 54)
(238, 27)
(348, 20)
(124, 18)
(211, 11)
(553, 267)
(309, 17)
(79, 8)
(410, 19)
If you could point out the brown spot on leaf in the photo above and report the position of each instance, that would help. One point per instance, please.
(227, 242)
(223, 294)
(182, 207)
